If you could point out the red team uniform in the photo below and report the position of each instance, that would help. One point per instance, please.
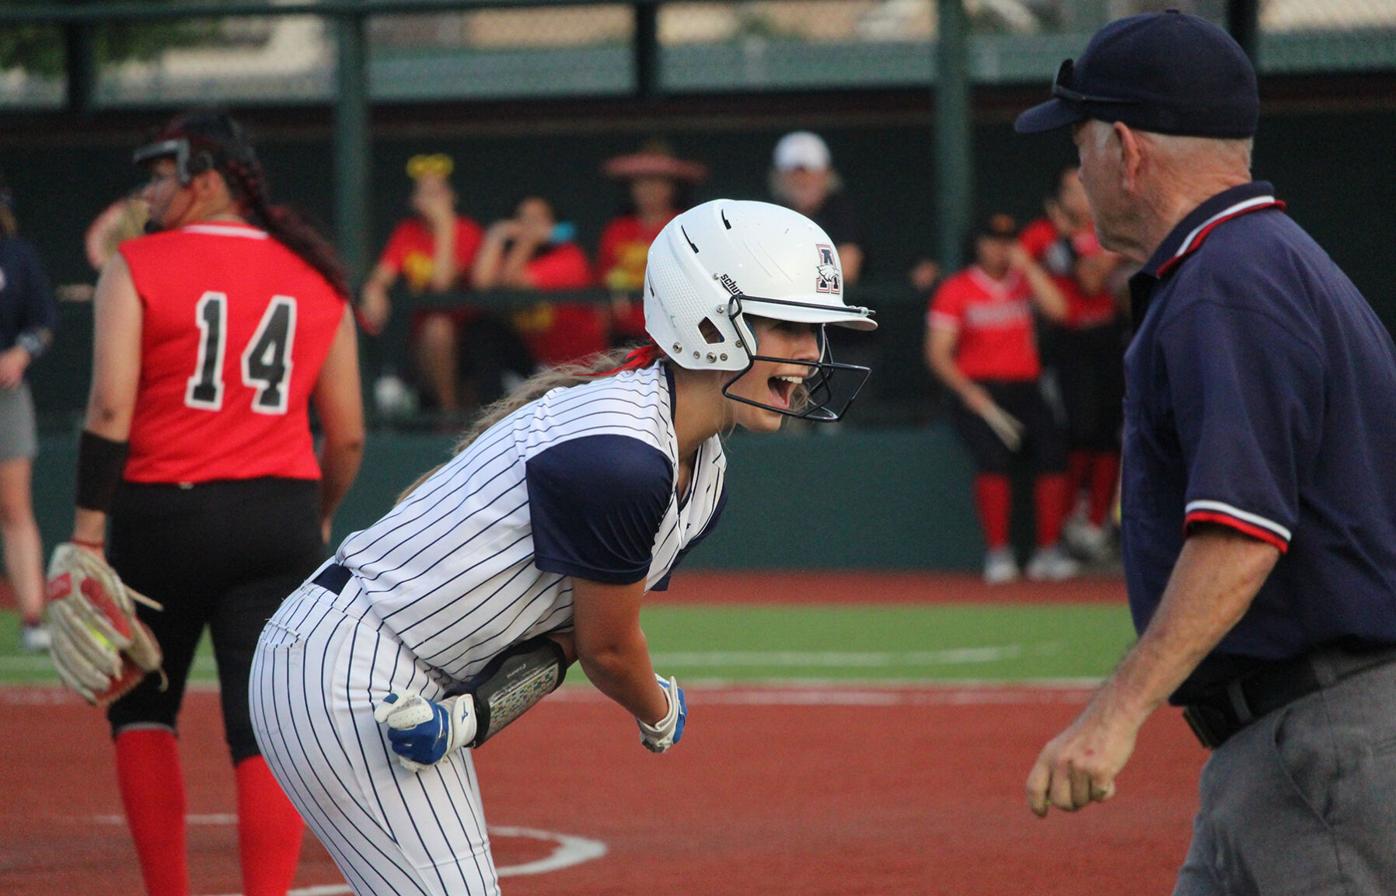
(234, 330)
(994, 322)
(561, 332)
(996, 347)
(218, 512)
(625, 246)
(1086, 356)
(1082, 310)
(411, 252)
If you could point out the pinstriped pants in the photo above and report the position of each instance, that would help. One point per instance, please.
(321, 665)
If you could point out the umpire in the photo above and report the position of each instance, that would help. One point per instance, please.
(1259, 516)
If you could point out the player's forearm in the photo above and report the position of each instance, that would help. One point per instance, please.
(1049, 298)
(624, 673)
(339, 464)
(1213, 583)
(941, 360)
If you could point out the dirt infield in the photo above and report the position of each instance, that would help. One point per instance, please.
(773, 791)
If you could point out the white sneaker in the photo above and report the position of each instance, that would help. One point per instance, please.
(1000, 567)
(1087, 541)
(34, 638)
(1052, 565)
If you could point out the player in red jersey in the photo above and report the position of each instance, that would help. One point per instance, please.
(980, 343)
(1085, 355)
(213, 336)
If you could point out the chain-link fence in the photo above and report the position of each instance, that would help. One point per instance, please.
(589, 49)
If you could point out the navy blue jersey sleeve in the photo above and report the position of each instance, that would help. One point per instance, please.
(596, 503)
(1246, 389)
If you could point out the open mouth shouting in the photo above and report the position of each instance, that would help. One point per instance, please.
(783, 388)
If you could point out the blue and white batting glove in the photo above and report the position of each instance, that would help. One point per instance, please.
(667, 731)
(422, 732)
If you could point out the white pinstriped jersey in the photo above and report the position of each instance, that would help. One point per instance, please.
(461, 569)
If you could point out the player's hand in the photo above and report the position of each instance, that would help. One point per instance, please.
(503, 231)
(1079, 766)
(1019, 257)
(374, 310)
(13, 361)
(667, 731)
(422, 732)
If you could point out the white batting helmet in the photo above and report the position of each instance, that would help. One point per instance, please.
(722, 260)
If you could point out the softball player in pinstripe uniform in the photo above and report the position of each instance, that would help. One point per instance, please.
(562, 508)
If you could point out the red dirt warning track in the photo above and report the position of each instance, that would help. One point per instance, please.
(878, 791)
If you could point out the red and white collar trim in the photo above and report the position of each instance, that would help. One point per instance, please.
(995, 288)
(1199, 234)
(246, 231)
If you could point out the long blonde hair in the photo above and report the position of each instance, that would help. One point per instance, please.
(596, 367)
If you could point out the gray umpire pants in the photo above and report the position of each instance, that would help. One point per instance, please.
(1302, 802)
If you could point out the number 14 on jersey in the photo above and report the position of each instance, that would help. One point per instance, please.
(266, 361)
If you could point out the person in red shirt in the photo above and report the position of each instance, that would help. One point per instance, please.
(432, 251)
(981, 344)
(1084, 354)
(215, 334)
(657, 185)
(534, 251)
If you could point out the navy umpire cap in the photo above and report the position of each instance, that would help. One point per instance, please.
(1167, 72)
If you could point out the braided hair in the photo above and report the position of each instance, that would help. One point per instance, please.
(217, 141)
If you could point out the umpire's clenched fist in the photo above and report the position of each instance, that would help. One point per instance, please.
(1079, 765)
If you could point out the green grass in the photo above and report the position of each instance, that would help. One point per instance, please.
(942, 642)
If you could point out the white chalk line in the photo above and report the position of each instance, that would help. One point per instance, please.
(569, 850)
(841, 659)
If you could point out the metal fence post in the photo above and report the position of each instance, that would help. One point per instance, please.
(80, 63)
(954, 165)
(352, 146)
(646, 49)
(1243, 21)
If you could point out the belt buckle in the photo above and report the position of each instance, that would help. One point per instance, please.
(1209, 724)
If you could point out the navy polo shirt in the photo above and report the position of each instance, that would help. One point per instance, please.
(1261, 395)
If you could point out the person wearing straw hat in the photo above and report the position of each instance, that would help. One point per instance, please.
(658, 184)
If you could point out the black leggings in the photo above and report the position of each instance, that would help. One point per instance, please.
(221, 555)
(1043, 439)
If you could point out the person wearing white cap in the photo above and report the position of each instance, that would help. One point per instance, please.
(803, 178)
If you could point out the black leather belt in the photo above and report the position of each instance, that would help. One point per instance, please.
(1233, 706)
(333, 578)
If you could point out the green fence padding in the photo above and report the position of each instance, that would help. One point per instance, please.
(882, 499)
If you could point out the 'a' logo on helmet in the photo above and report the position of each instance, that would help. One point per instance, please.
(826, 278)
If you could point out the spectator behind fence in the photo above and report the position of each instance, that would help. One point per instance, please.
(433, 251)
(980, 343)
(1085, 355)
(28, 316)
(534, 251)
(657, 185)
(803, 178)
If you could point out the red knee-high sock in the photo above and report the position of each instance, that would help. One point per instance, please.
(991, 497)
(1105, 475)
(1078, 471)
(269, 831)
(1048, 499)
(152, 790)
